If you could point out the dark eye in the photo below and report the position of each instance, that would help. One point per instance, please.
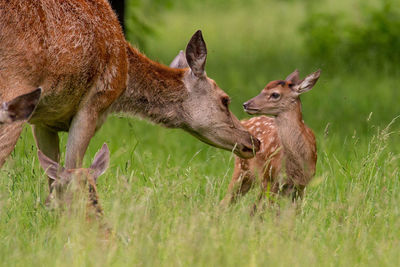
(225, 101)
(275, 95)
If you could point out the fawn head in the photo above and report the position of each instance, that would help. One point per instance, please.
(19, 108)
(70, 184)
(281, 95)
(206, 108)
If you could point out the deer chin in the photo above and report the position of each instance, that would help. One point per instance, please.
(252, 111)
(241, 150)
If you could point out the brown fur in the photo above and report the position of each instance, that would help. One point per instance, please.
(76, 52)
(77, 58)
(154, 91)
(288, 153)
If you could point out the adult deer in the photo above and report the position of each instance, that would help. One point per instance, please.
(76, 52)
(288, 153)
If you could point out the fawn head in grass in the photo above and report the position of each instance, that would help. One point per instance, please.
(74, 184)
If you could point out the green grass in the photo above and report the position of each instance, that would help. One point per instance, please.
(162, 189)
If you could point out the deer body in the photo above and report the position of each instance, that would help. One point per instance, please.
(76, 52)
(287, 157)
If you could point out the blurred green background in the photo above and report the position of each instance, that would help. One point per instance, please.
(355, 43)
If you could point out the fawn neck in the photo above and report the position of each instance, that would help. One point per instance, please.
(153, 91)
(291, 131)
(94, 199)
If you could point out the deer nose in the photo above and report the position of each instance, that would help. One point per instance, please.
(245, 105)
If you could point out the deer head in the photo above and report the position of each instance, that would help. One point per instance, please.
(68, 183)
(20, 108)
(281, 95)
(206, 109)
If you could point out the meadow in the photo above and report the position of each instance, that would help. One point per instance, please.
(162, 190)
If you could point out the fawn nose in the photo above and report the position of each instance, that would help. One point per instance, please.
(245, 105)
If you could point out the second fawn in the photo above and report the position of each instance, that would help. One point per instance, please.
(72, 184)
(288, 154)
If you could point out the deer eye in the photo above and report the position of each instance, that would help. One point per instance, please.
(225, 101)
(275, 95)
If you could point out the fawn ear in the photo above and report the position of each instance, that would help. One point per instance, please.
(20, 108)
(51, 167)
(179, 61)
(308, 83)
(196, 54)
(293, 77)
(101, 161)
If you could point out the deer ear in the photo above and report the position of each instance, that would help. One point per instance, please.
(101, 161)
(293, 77)
(21, 107)
(308, 83)
(196, 54)
(179, 61)
(51, 167)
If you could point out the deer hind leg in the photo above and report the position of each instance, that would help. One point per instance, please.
(9, 134)
(49, 143)
(242, 181)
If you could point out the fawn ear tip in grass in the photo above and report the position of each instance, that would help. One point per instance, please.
(101, 161)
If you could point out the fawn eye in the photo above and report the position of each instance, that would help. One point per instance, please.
(225, 101)
(275, 95)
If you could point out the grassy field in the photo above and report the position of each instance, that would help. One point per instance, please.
(162, 190)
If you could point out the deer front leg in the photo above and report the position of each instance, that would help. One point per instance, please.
(242, 181)
(81, 131)
(48, 142)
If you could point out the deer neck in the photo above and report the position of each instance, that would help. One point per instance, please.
(291, 131)
(153, 91)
